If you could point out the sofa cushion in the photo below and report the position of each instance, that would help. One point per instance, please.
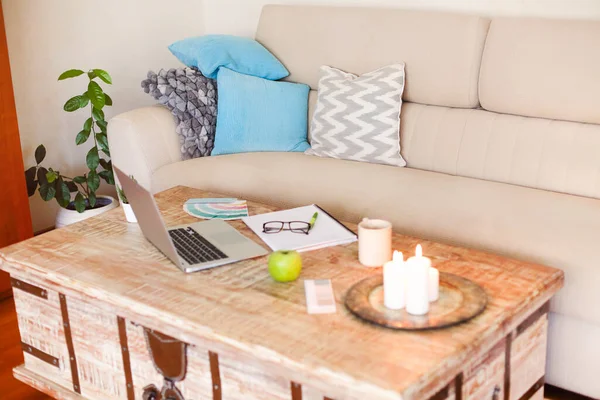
(358, 117)
(542, 68)
(553, 155)
(534, 225)
(359, 40)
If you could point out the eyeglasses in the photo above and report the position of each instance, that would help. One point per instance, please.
(292, 226)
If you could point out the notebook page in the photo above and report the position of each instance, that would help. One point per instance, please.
(326, 231)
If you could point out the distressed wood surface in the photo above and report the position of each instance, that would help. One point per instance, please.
(244, 315)
(12, 355)
(528, 361)
(40, 325)
(44, 385)
(485, 376)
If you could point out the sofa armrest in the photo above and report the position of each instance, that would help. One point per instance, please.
(143, 140)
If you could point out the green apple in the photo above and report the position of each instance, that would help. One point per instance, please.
(285, 265)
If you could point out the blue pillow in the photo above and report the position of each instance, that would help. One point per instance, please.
(244, 55)
(256, 114)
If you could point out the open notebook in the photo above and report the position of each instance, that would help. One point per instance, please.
(326, 232)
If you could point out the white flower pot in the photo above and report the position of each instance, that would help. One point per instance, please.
(129, 215)
(67, 217)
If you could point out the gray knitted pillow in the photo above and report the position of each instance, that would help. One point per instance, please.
(192, 98)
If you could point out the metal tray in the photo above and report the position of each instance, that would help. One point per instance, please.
(460, 300)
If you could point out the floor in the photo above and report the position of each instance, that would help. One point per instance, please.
(553, 393)
(12, 356)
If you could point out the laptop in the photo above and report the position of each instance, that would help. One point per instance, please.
(192, 247)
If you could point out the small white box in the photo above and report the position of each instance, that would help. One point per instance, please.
(319, 296)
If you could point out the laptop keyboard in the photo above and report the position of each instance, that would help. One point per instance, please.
(193, 248)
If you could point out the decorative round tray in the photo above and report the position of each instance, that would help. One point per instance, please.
(460, 300)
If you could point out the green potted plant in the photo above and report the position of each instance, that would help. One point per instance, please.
(129, 214)
(77, 195)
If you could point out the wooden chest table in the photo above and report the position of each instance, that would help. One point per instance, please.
(87, 297)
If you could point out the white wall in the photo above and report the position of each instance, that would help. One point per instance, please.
(240, 17)
(129, 37)
(46, 37)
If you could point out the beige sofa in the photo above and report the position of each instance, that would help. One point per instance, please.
(499, 130)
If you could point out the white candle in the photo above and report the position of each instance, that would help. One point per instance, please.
(394, 282)
(417, 290)
(434, 284)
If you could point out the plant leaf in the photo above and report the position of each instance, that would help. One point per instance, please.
(82, 137)
(102, 124)
(106, 151)
(41, 175)
(92, 159)
(98, 114)
(102, 74)
(105, 164)
(63, 195)
(84, 100)
(73, 104)
(102, 141)
(79, 202)
(72, 186)
(93, 181)
(87, 126)
(30, 173)
(111, 177)
(30, 180)
(31, 186)
(108, 101)
(72, 73)
(103, 175)
(96, 95)
(80, 179)
(51, 176)
(47, 191)
(92, 199)
(40, 154)
(91, 75)
(122, 195)
(107, 176)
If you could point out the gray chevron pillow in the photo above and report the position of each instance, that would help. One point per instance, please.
(358, 117)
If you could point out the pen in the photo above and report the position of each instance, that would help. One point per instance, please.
(312, 221)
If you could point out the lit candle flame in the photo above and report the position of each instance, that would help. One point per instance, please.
(398, 256)
(419, 252)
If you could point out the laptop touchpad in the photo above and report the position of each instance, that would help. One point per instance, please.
(228, 238)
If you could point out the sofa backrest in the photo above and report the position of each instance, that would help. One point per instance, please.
(542, 68)
(442, 51)
(512, 100)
